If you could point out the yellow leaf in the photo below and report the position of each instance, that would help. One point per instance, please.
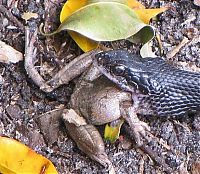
(87, 44)
(70, 7)
(112, 131)
(135, 4)
(146, 14)
(83, 42)
(16, 158)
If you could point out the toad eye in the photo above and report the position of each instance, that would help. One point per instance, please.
(118, 70)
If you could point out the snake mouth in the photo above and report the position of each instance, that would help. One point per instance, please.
(118, 67)
(106, 71)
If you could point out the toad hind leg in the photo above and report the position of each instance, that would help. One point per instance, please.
(86, 137)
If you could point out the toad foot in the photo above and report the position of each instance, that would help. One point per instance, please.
(139, 130)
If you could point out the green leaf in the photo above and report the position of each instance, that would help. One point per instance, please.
(95, 1)
(145, 35)
(104, 21)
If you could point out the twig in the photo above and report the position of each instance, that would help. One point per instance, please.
(158, 160)
(30, 54)
(178, 47)
(159, 44)
(141, 165)
(10, 16)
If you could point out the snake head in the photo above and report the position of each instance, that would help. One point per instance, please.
(124, 69)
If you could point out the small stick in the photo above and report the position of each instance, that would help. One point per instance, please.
(10, 16)
(159, 44)
(177, 48)
(158, 160)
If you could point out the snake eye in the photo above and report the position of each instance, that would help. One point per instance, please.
(118, 70)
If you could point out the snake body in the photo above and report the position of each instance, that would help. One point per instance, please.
(171, 91)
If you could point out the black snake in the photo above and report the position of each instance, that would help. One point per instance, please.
(171, 91)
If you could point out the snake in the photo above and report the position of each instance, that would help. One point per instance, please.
(171, 91)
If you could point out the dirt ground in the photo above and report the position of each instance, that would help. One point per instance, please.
(176, 141)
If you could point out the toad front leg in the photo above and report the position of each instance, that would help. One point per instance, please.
(129, 112)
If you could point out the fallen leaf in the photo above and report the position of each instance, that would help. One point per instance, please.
(144, 36)
(71, 6)
(96, 21)
(135, 4)
(8, 54)
(86, 44)
(83, 42)
(17, 158)
(49, 123)
(112, 131)
(146, 14)
(91, 21)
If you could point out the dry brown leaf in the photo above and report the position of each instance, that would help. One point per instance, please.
(28, 15)
(8, 54)
(49, 125)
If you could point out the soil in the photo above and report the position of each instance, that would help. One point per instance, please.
(176, 140)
